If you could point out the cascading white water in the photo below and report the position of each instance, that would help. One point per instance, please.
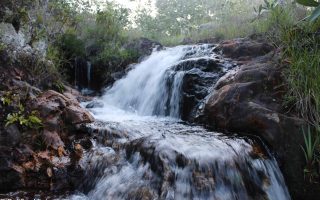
(175, 94)
(145, 89)
(140, 156)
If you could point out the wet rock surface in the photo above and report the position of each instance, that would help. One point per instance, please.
(199, 72)
(170, 160)
(245, 48)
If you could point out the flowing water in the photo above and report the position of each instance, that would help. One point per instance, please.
(89, 66)
(142, 150)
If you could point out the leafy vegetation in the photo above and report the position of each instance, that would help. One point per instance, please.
(300, 44)
(30, 121)
(17, 114)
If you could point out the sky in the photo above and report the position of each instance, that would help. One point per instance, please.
(132, 4)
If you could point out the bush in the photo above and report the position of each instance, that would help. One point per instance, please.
(71, 45)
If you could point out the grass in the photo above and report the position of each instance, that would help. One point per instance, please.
(311, 144)
(304, 83)
(300, 46)
(311, 153)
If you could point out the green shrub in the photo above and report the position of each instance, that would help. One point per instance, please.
(311, 151)
(71, 45)
(310, 146)
(29, 121)
(18, 114)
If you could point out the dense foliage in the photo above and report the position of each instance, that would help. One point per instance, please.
(179, 19)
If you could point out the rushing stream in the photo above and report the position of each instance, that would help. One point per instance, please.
(143, 150)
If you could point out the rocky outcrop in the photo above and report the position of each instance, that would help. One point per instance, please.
(250, 100)
(244, 48)
(199, 76)
(45, 159)
(45, 154)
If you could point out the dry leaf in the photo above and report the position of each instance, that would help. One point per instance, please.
(49, 172)
(61, 151)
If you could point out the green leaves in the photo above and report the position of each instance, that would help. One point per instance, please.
(31, 121)
(311, 3)
(5, 100)
(310, 148)
(19, 114)
(12, 118)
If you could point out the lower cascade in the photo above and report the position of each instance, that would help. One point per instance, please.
(143, 150)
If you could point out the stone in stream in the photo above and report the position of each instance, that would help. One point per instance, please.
(95, 104)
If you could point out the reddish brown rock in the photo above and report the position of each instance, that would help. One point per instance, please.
(244, 48)
(77, 115)
(52, 139)
(249, 100)
(54, 104)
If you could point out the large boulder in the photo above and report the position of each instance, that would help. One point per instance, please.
(244, 48)
(51, 103)
(250, 100)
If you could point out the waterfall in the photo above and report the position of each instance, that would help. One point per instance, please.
(175, 99)
(83, 75)
(89, 73)
(153, 87)
(142, 150)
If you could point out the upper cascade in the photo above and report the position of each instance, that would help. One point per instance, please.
(156, 85)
